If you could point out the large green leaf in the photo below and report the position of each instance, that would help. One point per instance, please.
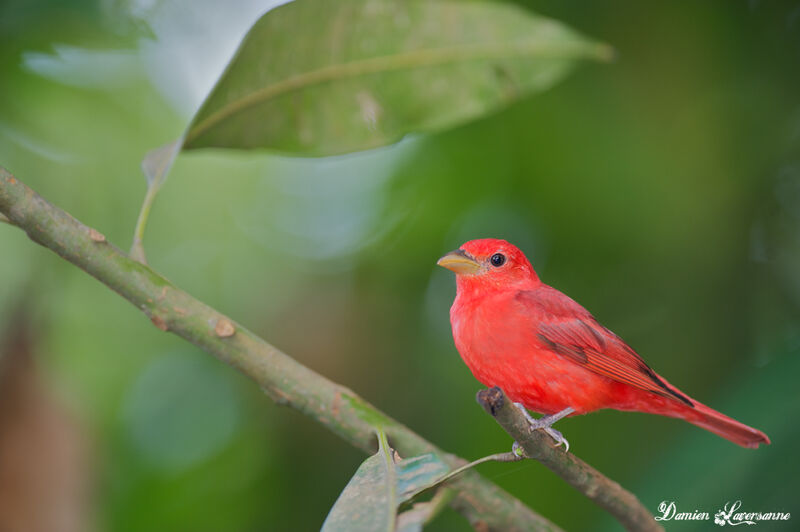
(316, 77)
(369, 501)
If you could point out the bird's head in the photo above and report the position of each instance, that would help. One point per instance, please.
(489, 262)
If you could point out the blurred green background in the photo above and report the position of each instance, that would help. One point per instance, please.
(662, 191)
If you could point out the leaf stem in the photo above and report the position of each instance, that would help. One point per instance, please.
(155, 165)
(137, 248)
(509, 456)
(391, 479)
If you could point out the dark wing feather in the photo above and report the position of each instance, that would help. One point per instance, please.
(584, 341)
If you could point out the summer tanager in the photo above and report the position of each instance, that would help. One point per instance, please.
(550, 355)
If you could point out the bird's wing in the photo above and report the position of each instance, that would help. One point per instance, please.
(574, 334)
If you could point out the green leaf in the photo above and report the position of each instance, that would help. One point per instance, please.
(369, 501)
(417, 474)
(315, 77)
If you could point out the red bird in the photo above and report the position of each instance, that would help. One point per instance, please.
(550, 355)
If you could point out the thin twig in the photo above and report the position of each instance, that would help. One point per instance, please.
(282, 378)
(499, 457)
(609, 495)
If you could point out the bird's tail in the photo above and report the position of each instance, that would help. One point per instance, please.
(722, 425)
(682, 406)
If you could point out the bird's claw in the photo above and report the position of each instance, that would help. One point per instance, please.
(558, 437)
(545, 423)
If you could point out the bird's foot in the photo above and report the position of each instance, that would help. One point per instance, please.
(558, 437)
(545, 423)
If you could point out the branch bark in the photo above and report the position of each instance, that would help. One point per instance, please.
(287, 382)
(606, 493)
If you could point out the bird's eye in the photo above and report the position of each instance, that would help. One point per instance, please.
(497, 260)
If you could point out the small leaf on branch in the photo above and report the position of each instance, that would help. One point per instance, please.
(369, 501)
(384, 481)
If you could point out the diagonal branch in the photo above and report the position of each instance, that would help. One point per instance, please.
(286, 381)
(606, 493)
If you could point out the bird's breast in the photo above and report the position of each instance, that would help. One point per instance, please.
(498, 343)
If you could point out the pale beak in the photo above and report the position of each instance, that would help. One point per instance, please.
(460, 262)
